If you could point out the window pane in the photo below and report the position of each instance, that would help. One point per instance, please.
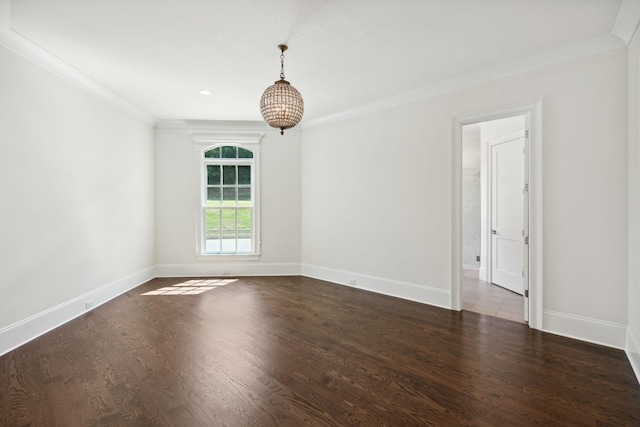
(244, 220)
(229, 175)
(244, 154)
(212, 245)
(212, 220)
(229, 243)
(244, 242)
(214, 153)
(213, 175)
(213, 234)
(244, 175)
(229, 220)
(229, 234)
(244, 196)
(230, 196)
(229, 152)
(213, 196)
(244, 234)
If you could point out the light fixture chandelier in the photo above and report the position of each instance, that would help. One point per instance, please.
(281, 104)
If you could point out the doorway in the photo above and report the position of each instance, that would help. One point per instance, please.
(493, 220)
(502, 260)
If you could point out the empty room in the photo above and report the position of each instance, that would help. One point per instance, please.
(324, 213)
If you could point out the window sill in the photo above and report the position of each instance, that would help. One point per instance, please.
(228, 257)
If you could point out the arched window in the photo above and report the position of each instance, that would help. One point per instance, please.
(229, 209)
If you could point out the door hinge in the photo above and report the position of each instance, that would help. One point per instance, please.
(526, 240)
(526, 293)
(526, 187)
(526, 134)
(522, 273)
(478, 258)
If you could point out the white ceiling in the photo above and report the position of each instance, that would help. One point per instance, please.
(158, 54)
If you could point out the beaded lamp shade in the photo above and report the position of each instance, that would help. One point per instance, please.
(281, 104)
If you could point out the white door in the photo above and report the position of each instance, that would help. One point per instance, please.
(507, 214)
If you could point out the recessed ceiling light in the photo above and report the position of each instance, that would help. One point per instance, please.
(206, 92)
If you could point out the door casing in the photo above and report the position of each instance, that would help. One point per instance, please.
(533, 167)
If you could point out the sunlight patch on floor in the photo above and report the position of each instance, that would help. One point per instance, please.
(191, 287)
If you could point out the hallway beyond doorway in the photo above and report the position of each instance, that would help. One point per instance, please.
(487, 298)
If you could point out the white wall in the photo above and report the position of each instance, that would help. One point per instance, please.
(633, 330)
(76, 184)
(177, 195)
(377, 194)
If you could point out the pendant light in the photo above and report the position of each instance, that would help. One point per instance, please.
(281, 104)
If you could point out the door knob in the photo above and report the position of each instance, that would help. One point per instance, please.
(493, 232)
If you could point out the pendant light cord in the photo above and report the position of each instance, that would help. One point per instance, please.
(282, 65)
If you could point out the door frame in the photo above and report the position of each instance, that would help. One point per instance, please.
(533, 167)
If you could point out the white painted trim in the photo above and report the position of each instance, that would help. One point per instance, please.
(627, 21)
(455, 214)
(534, 110)
(229, 126)
(536, 285)
(226, 137)
(471, 267)
(36, 54)
(632, 349)
(410, 291)
(549, 58)
(21, 332)
(230, 268)
(595, 331)
(227, 257)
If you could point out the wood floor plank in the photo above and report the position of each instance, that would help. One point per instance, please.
(291, 351)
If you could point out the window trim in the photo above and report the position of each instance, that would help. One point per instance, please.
(204, 141)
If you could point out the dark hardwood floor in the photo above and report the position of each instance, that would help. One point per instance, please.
(296, 351)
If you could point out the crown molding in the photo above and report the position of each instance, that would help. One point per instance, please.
(226, 125)
(627, 21)
(561, 55)
(226, 137)
(24, 47)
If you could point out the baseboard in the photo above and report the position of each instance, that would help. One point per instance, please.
(470, 267)
(633, 353)
(409, 291)
(19, 333)
(230, 268)
(585, 329)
